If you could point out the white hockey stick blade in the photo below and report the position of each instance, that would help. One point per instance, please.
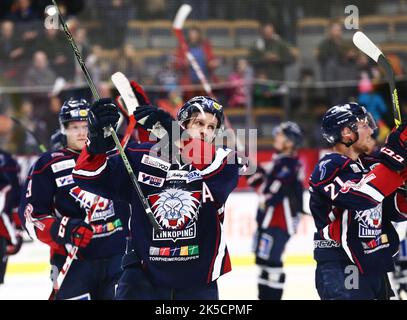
(122, 85)
(59, 84)
(366, 45)
(181, 16)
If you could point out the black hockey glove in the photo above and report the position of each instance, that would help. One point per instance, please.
(102, 114)
(394, 153)
(73, 231)
(155, 120)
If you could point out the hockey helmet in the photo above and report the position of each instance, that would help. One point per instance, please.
(291, 130)
(341, 116)
(201, 104)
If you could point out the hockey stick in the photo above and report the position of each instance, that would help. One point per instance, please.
(123, 86)
(370, 49)
(96, 96)
(177, 26)
(41, 146)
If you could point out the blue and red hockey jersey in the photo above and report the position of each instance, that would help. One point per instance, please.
(9, 189)
(279, 184)
(51, 193)
(353, 204)
(187, 200)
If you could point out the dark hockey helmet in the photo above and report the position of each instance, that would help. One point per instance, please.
(74, 110)
(291, 130)
(341, 116)
(201, 104)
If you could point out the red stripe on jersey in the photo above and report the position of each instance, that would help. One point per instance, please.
(334, 230)
(401, 202)
(227, 266)
(90, 162)
(49, 163)
(278, 219)
(216, 251)
(386, 180)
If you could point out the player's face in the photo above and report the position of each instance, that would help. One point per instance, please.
(365, 141)
(202, 126)
(76, 134)
(281, 143)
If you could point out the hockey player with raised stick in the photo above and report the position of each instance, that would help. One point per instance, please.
(185, 257)
(353, 200)
(54, 209)
(10, 226)
(280, 186)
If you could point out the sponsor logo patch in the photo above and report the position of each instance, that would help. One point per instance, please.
(63, 165)
(64, 181)
(150, 180)
(177, 175)
(191, 250)
(156, 163)
(193, 175)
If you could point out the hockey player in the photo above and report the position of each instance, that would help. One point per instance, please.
(353, 200)
(55, 208)
(187, 255)
(279, 185)
(10, 227)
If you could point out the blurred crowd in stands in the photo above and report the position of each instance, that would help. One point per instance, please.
(264, 68)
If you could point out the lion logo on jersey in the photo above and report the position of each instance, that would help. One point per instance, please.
(175, 208)
(370, 222)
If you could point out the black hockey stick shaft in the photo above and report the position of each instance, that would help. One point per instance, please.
(96, 96)
(41, 146)
(388, 71)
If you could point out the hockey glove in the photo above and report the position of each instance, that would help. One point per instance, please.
(394, 153)
(102, 114)
(154, 120)
(73, 231)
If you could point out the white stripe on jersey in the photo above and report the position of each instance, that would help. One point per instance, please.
(217, 267)
(288, 216)
(372, 192)
(267, 217)
(344, 236)
(220, 155)
(325, 232)
(87, 173)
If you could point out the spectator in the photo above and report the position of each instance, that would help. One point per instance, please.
(271, 53)
(335, 56)
(23, 11)
(374, 104)
(11, 52)
(84, 47)
(264, 91)
(40, 73)
(238, 94)
(154, 10)
(127, 62)
(201, 49)
(62, 61)
(115, 18)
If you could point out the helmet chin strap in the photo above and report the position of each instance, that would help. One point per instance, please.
(350, 142)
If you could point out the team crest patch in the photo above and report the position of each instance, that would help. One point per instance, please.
(150, 180)
(104, 209)
(370, 222)
(176, 210)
